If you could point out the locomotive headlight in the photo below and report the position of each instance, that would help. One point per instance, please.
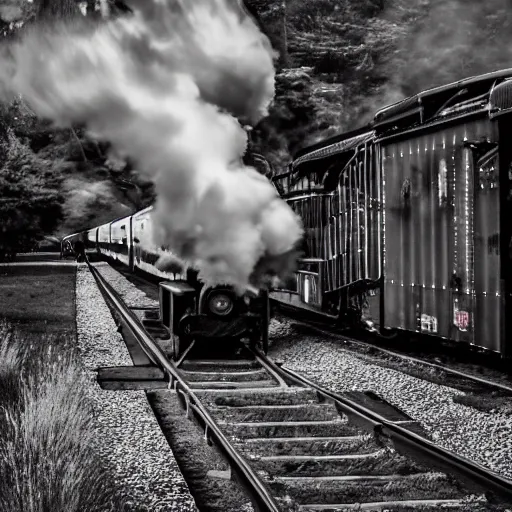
(220, 304)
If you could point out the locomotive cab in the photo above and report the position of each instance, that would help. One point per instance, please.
(195, 314)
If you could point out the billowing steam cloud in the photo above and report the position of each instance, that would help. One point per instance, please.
(166, 86)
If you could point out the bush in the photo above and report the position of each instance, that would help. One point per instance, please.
(48, 458)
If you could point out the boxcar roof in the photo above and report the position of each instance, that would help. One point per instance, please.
(330, 149)
(424, 106)
(331, 141)
(142, 212)
(71, 236)
(437, 97)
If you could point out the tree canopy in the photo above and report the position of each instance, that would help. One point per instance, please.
(56, 181)
(340, 61)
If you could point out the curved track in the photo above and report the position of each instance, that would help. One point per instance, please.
(295, 446)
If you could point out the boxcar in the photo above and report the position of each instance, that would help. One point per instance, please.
(418, 202)
(446, 204)
(335, 190)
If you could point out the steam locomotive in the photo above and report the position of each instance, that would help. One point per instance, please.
(408, 220)
(189, 310)
(407, 224)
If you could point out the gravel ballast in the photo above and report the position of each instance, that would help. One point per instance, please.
(485, 438)
(132, 296)
(195, 457)
(127, 432)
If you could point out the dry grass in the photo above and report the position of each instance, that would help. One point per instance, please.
(48, 460)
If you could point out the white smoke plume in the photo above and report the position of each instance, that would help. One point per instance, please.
(166, 86)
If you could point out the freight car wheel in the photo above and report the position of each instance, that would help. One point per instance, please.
(387, 334)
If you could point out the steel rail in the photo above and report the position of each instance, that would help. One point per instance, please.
(248, 478)
(483, 478)
(405, 357)
(470, 471)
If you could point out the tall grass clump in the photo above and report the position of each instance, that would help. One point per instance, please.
(48, 458)
(10, 364)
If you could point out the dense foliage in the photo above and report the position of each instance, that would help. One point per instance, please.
(348, 58)
(340, 61)
(30, 203)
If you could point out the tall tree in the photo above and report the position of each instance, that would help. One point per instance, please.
(30, 202)
(284, 35)
(270, 15)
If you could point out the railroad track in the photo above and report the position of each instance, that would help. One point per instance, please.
(453, 378)
(295, 446)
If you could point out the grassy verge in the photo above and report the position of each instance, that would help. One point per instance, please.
(48, 459)
(39, 299)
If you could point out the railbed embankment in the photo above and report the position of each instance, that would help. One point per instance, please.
(198, 460)
(484, 437)
(128, 432)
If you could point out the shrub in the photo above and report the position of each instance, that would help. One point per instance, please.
(30, 204)
(48, 457)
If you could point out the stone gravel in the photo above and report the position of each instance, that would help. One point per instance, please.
(131, 295)
(485, 438)
(128, 434)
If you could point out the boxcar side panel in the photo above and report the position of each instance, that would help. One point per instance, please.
(429, 211)
(104, 238)
(353, 211)
(504, 125)
(120, 240)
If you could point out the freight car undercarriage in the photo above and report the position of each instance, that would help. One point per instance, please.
(345, 307)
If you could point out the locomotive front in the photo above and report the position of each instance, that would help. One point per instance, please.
(195, 313)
